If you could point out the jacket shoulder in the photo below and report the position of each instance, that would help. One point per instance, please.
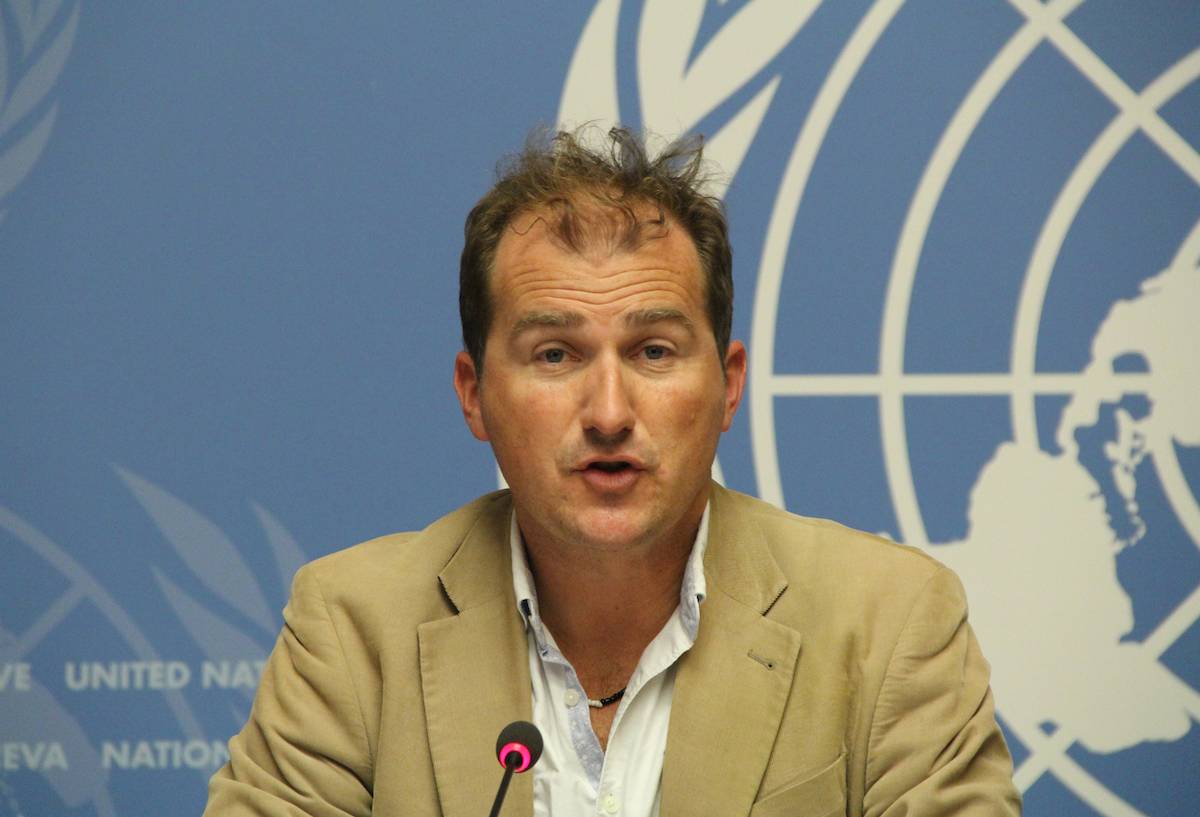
(826, 561)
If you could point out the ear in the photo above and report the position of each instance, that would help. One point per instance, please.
(735, 380)
(466, 385)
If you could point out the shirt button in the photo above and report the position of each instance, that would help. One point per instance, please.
(571, 697)
(610, 803)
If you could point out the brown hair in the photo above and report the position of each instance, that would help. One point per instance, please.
(560, 174)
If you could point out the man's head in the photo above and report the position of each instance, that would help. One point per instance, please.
(590, 195)
(608, 380)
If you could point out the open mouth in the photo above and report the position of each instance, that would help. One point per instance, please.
(609, 467)
(612, 476)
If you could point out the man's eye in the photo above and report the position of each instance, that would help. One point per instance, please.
(655, 352)
(554, 355)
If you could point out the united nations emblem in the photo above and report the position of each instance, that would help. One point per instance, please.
(975, 276)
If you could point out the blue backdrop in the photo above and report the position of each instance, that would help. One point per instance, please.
(967, 252)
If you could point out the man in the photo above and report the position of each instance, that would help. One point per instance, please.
(685, 650)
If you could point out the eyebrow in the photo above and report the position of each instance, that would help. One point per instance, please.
(648, 317)
(560, 320)
(569, 320)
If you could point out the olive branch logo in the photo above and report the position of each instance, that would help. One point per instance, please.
(681, 79)
(217, 564)
(35, 41)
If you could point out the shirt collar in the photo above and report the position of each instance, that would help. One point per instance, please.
(691, 592)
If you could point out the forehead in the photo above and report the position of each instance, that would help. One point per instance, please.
(534, 266)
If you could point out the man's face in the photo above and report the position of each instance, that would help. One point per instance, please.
(603, 394)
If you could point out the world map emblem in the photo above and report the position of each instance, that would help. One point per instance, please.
(967, 252)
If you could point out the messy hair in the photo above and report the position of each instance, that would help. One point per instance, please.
(597, 191)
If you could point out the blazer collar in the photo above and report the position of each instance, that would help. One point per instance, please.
(738, 559)
(472, 576)
(732, 687)
(475, 671)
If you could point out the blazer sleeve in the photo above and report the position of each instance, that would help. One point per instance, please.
(304, 749)
(935, 747)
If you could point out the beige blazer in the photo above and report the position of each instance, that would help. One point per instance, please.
(834, 673)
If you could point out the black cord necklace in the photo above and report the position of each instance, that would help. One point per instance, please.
(603, 702)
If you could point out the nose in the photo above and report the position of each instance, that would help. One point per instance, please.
(608, 411)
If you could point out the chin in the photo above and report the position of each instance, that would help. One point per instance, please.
(614, 531)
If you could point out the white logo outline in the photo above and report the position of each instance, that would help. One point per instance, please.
(590, 93)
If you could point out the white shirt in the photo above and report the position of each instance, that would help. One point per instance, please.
(575, 776)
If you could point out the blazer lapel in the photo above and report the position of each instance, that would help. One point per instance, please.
(732, 687)
(475, 674)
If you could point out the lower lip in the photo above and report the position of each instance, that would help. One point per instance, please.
(610, 482)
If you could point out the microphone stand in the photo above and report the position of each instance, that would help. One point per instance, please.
(510, 764)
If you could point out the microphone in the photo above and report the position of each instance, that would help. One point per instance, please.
(518, 748)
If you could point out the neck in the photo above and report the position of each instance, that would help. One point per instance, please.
(605, 606)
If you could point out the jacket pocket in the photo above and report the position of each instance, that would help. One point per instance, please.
(820, 794)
